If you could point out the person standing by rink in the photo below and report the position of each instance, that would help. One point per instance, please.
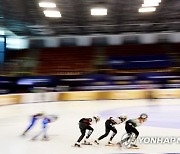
(85, 124)
(109, 126)
(132, 132)
(47, 119)
(34, 118)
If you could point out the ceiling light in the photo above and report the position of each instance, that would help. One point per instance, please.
(52, 13)
(150, 4)
(98, 11)
(147, 9)
(47, 4)
(152, 1)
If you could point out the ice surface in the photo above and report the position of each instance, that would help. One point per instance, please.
(65, 132)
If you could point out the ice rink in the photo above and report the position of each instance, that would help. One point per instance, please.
(164, 121)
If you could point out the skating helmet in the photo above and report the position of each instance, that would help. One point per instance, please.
(97, 118)
(143, 116)
(123, 117)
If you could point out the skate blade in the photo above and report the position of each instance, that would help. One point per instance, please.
(44, 139)
(33, 139)
(110, 145)
(95, 143)
(75, 146)
(133, 148)
(86, 143)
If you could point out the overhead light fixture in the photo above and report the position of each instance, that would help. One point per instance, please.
(98, 11)
(152, 1)
(147, 9)
(47, 4)
(150, 4)
(52, 13)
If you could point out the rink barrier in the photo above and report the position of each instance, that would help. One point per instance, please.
(102, 95)
(24, 98)
(119, 94)
(166, 93)
(126, 94)
(80, 95)
(39, 97)
(10, 99)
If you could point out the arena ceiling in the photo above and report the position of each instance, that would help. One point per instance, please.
(25, 17)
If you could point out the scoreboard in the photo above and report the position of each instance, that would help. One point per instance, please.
(2, 48)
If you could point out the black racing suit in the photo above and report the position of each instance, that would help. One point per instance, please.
(84, 124)
(130, 129)
(109, 126)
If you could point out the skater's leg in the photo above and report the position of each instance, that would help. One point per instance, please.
(30, 126)
(106, 134)
(90, 131)
(114, 133)
(41, 132)
(45, 132)
(134, 136)
(83, 132)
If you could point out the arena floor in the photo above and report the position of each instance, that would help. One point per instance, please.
(164, 121)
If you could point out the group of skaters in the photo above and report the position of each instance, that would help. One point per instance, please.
(85, 124)
(46, 119)
(130, 127)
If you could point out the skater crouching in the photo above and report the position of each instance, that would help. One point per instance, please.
(132, 132)
(34, 118)
(85, 124)
(46, 120)
(109, 126)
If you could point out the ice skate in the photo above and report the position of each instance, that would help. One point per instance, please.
(119, 144)
(23, 134)
(133, 146)
(86, 143)
(77, 145)
(96, 142)
(34, 139)
(110, 144)
(45, 139)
